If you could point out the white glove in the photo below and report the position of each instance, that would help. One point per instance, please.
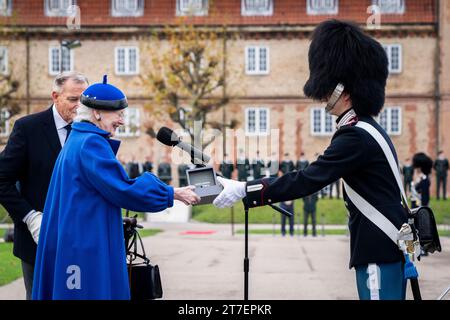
(232, 191)
(33, 222)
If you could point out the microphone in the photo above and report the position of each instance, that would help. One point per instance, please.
(169, 138)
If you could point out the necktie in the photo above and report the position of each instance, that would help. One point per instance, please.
(68, 129)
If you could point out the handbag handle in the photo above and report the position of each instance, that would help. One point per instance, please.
(134, 244)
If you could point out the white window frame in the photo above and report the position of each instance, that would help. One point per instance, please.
(388, 48)
(249, 12)
(53, 72)
(4, 68)
(400, 8)
(58, 13)
(323, 115)
(127, 61)
(322, 11)
(181, 11)
(257, 70)
(127, 126)
(7, 11)
(126, 12)
(4, 113)
(388, 111)
(258, 131)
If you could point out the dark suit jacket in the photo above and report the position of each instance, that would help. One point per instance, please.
(28, 159)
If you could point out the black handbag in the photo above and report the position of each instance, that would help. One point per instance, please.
(425, 224)
(144, 278)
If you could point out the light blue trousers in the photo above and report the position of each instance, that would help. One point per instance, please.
(384, 281)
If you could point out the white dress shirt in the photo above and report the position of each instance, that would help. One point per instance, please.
(60, 123)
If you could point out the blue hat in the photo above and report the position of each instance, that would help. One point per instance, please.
(104, 96)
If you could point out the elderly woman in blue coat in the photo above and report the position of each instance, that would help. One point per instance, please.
(81, 252)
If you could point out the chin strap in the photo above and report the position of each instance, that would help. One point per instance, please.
(334, 97)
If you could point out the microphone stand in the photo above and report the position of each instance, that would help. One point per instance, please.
(246, 209)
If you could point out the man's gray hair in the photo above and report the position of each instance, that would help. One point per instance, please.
(84, 113)
(64, 76)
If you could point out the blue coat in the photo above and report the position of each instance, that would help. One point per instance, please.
(81, 252)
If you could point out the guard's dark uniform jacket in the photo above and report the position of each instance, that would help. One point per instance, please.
(357, 158)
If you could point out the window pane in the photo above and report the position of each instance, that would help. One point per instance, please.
(391, 6)
(322, 6)
(65, 59)
(55, 60)
(383, 119)
(251, 120)
(395, 58)
(317, 121)
(53, 5)
(251, 59)
(121, 60)
(4, 122)
(328, 123)
(257, 6)
(262, 59)
(132, 5)
(191, 5)
(132, 60)
(3, 60)
(262, 121)
(395, 120)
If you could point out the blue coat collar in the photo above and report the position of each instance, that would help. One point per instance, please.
(92, 128)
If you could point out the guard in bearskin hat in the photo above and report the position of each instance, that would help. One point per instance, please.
(422, 165)
(81, 253)
(348, 72)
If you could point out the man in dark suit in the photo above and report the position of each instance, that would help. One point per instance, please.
(441, 166)
(133, 168)
(302, 163)
(26, 166)
(258, 167)
(148, 164)
(287, 165)
(309, 209)
(226, 167)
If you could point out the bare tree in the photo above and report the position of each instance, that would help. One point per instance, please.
(188, 78)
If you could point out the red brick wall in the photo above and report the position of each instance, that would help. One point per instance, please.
(157, 12)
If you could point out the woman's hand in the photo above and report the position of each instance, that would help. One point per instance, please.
(186, 195)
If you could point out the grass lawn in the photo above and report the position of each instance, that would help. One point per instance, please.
(4, 216)
(10, 268)
(332, 211)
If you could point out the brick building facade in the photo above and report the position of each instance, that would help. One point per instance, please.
(268, 61)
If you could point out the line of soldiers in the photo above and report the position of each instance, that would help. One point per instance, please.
(164, 171)
(256, 169)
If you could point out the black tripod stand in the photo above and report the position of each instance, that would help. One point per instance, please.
(246, 258)
(200, 164)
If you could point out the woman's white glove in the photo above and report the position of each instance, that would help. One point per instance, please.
(33, 222)
(232, 191)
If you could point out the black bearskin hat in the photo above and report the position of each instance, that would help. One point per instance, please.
(422, 161)
(341, 52)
